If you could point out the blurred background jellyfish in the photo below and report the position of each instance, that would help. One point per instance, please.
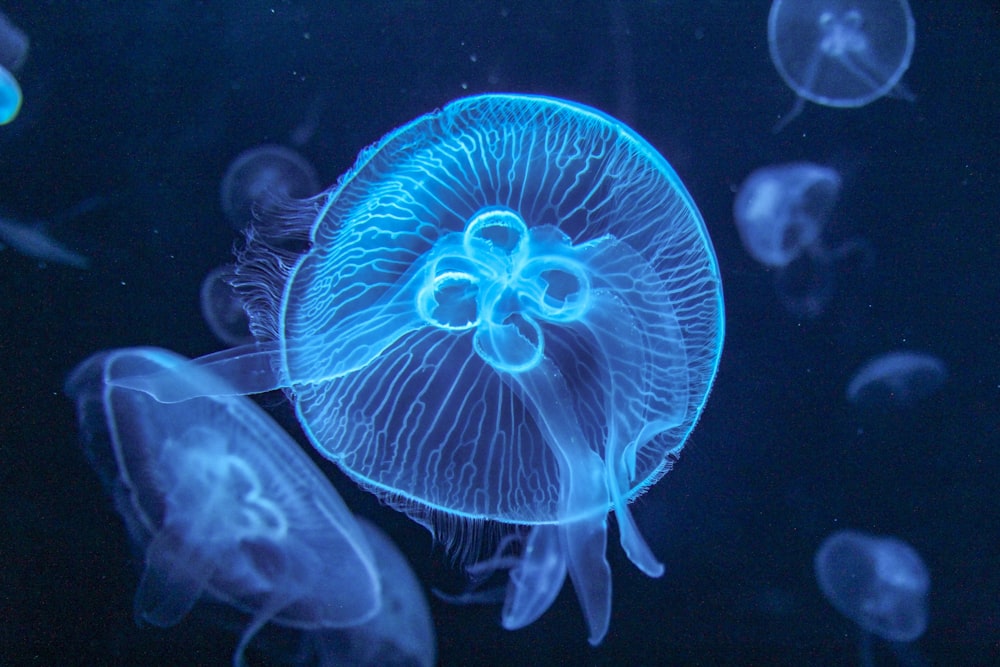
(13, 53)
(401, 633)
(262, 181)
(879, 583)
(510, 311)
(222, 307)
(781, 212)
(840, 53)
(896, 379)
(224, 504)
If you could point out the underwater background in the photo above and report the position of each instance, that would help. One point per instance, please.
(138, 108)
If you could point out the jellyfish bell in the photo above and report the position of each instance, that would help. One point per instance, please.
(879, 583)
(14, 45)
(781, 213)
(781, 210)
(510, 311)
(10, 97)
(896, 379)
(401, 633)
(264, 180)
(222, 307)
(224, 504)
(840, 54)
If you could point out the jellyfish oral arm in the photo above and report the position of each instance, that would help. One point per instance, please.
(247, 369)
(582, 541)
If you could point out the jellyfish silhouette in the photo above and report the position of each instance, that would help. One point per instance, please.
(510, 311)
(262, 180)
(222, 307)
(880, 583)
(224, 504)
(838, 53)
(13, 53)
(896, 379)
(781, 212)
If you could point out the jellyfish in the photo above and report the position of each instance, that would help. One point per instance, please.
(222, 307)
(781, 212)
(261, 180)
(32, 239)
(402, 633)
(879, 583)
(510, 310)
(13, 45)
(839, 53)
(13, 53)
(896, 379)
(224, 504)
(10, 96)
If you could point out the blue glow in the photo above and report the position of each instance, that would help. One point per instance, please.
(223, 502)
(10, 96)
(880, 583)
(511, 311)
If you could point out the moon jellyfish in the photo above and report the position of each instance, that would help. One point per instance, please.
(262, 181)
(840, 53)
(222, 308)
(13, 45)
(10, 97)
(781, 212)
(510, 311)
(402, 633)
(224, 504)
(13, 53)
(899, 378)
(879, 583)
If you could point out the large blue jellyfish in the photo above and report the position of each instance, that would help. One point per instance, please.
(509, 310)
(223, 503)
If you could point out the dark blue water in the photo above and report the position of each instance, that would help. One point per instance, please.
(144, 105)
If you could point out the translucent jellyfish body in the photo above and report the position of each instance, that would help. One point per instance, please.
(262, 181)
(402, 633)
(13, 53)
(222, 308)
(840, 53)
(880, 583)
(510, 310)
(224, 504)
(900, 378)
(781, 212)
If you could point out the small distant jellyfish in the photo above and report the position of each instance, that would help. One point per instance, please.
(261, 180)
(896, 379)
(838, 53)
(879, 583)
(13, 53)
(781, 212)
(402, 633)
(13, 45)
(10, 97)
(222, 308)
(223, 503)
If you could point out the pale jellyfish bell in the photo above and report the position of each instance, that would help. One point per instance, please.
(896, 379)
(781, 212)
(840, 53)
(879, 583)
